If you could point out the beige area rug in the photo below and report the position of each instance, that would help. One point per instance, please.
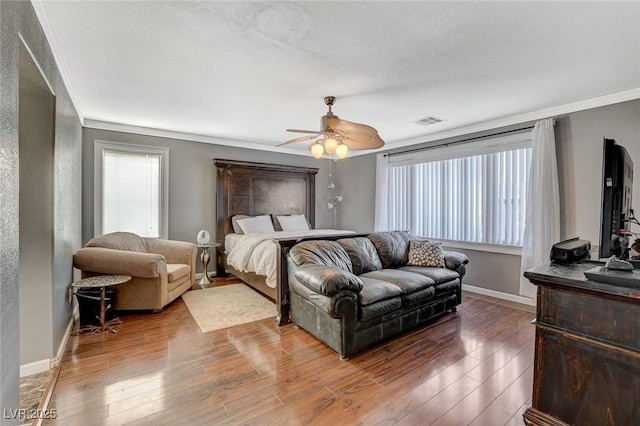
(221, 307)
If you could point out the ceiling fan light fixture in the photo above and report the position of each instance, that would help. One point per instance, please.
(317, 150)
(342, 150)
(334, 131)
(330, 145)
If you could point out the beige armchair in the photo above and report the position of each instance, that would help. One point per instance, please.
(161, 270)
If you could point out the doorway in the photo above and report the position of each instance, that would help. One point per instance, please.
(36, 203)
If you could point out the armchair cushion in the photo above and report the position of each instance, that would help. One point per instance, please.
(173, 251)
(175, 271)
(120, 241)
(112, 262)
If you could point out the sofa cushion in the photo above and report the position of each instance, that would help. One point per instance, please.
(407, 282)
(377, 298)
(418, 297)
(425, 253)
(125, 241)
(376, 290)
(447, 287)
(363, 254)
(175, 271)
(392, 247)
(378, 309)
(320, 252)
(438, 275)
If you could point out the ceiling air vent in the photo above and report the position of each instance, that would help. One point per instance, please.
(428, 121)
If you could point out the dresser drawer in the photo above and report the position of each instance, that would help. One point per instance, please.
(610, 320)
(583, 382)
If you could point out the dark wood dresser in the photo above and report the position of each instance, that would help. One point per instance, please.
(587, 359)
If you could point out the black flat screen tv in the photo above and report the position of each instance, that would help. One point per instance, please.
(617, 185)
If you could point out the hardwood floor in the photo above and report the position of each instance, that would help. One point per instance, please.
(471, 367)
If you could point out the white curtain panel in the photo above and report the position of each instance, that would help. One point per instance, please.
(542, 227)
(382, 168)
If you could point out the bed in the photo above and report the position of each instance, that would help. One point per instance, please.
(254, 189)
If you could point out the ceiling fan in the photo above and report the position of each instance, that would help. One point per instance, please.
(338, 136)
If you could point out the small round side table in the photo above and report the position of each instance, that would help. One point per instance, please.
(204, 258)
(102, 282)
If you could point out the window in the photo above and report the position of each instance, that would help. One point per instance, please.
(472, 193)
(131, 189)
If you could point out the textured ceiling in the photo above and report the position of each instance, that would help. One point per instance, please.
(246, 71)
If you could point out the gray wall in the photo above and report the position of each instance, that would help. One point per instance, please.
(357, 177)
(36, 225)
(579, 147)
(579, 138)
(192, 180)
(18, 18)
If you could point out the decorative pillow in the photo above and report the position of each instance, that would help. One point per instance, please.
(235, 225)
(257, 224)
(297, 222)
(425, 253)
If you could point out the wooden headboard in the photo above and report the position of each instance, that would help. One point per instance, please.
(252, 189)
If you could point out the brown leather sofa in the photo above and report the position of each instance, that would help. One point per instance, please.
(161, 270)
(355, 292)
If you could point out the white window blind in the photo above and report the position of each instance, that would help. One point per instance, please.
(131, 190)
(476, 198)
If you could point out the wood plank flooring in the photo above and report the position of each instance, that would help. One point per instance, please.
(473, 367)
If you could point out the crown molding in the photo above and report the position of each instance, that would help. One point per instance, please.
(41, 14)
(170, 134)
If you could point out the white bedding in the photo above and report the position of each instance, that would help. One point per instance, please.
(258, 253)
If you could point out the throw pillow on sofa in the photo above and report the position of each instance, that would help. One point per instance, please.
(425, 253)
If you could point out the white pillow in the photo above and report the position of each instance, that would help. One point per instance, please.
(257, 224)
(234, 222)
(296, 222)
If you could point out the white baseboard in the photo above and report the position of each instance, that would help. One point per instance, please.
(55, 361)
(48, 364)
(499, 295)
(34, 367)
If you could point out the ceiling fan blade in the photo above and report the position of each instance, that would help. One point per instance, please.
(355, 135)
(356, 144)
(356, 129)
(300, 139)
(315, 132)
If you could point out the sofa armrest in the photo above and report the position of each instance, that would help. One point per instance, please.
(113, 262)
(326, 280)
(456, 261)
(174, 251)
